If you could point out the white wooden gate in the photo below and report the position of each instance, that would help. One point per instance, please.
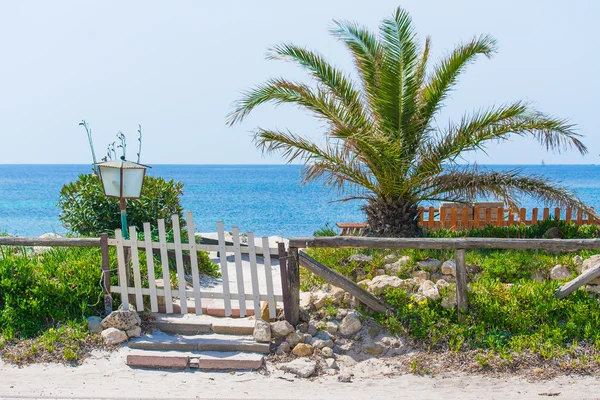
(184, 299)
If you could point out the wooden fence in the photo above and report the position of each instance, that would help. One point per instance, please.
(461, 218)
(296, 258)
(183, 298)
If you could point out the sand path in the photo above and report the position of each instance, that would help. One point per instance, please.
(105, 376)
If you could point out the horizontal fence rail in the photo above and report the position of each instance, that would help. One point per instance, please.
(444, 243)
(49, 242)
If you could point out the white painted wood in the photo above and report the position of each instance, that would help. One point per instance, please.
(179, 262)
(254, 273)
(190, 293)
(224, 269)
(194, 262)
(150, 264)
(164, 258)
(269, 279)
(239, 271)
(122, 272)
(135, 263)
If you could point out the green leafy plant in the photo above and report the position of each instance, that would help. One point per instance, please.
(86, 211)
(384, 143)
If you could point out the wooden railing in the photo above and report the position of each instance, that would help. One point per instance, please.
(457, 218)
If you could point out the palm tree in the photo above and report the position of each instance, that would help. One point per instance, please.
(382, 142)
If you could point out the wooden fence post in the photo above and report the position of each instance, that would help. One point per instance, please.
(461, 281)
(293, 279)
(106, 273)
(284, 282)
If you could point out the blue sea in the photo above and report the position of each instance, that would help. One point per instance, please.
(264, 199)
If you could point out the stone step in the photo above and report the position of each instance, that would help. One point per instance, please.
(190, 324)
(195, 360)
(204, 342)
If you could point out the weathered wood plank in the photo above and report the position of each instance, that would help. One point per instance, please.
(269, 279)
(194, 262)
(500, 217)
(179, 262)
(534, 216)
(49, 242)
(461, 280)
(284, 283)
(224, 268)
(431, 218)
(342, 282)
(293, 280)
(576, 283)
(546, 214)
(444, 243)
(164, 259)
(150, 264)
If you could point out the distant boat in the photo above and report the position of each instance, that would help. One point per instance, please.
(543, 163)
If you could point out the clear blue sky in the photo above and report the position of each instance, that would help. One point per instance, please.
(176, 66)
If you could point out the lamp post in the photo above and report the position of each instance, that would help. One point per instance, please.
(122, 179)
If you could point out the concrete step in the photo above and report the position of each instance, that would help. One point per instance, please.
(204, 342)
(190, 324)
(195, 360)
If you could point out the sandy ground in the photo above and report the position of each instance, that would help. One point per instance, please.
(105, 376)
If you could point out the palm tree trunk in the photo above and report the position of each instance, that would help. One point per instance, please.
(392, 218)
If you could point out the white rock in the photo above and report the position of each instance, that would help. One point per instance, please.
(320, 298)
(294, 338)
(429, 290)
(94, 324)
(431, 264)
(312, 329)
(449, 268)
(112, 336)
(301, 367)
(578, 261)
(306, 300)
(590, 263)
(389, 259)
(350, 325)
(122, 320)
(449, 298)
(320, 343)
(331, 363)
(395, 267)
(332, 327)
(134, 333)
(327, 352)
(360, 259)
(345, 377)
(283, 348)
(441, 285)
(560, 272)
(262, 331)
(337, 295)
(281, 329)
(380, 284)
(422, 275)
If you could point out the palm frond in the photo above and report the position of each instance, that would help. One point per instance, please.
(471, 184)
(446, 73)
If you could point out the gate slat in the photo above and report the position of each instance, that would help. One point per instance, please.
(150, 263)
(179, 261)
(224, 269)
(239, 271)
(122, 273)
(254, 273)
(164, 258)
(269, 277)
(135, 262)
(194, 262)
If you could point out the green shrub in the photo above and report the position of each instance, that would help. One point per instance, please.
(88, 212)
(40, 291)
(327, 230)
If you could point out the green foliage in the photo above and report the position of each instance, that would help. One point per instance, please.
(501, 317)
(383, 141)
(39, 291)
(326, 230)
(88, 212)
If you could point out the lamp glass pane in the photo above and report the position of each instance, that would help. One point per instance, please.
(133, 178)
(111, 180)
